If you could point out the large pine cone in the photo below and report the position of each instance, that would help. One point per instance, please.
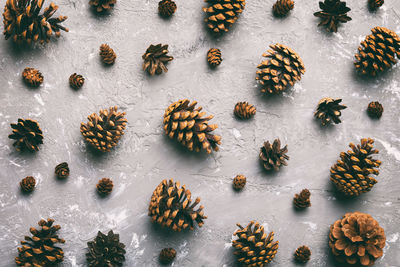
(375, 4)
(302, 200)
(32, 77)
(221, 14)
(28, 184)
(27, 135)
(253, 247)
(332, 12)
(155, 59)
(351, 173)
(357, 239)
(214, 57)
(185, 123)
(24, 24)
(375, 109)
(102, 5)
(105, 250)
(244, 110)
(283, 67)
(40, 249)
(273, 156)
(328, 110)
(171, 207)
(107, 54)
(104, 131)
(377, 52)
(302, 254)
(166, 8)
(282, 7)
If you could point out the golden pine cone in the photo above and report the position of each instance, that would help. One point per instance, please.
(332, 12)
(27, 135)
(102, 5)
(28, 184)
(32, 77)
(375, 4)
(62, 170)
(282, 7)
(166, 8)
(107, 54)
(329, 110)
(273, 156)
(214, 57)
(76, 81)
(302, 254)
(167, 255)
(244, 110)
(105, 186)
(155, 58)
(239, 182)
(221, 14)
(375, 109)
(302, 200)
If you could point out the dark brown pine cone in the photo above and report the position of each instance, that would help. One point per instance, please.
(329, 110)
(357, 239)
(375, 4)
(62, 170)
(105, 186)
(302, 200)
(302, 254)
(332, 12)
(106, 251)
(102, 5)
(244, 110)
(375, 109)
(273, 156)
(171, 206)
(32, 77)
(239, 182)
(76, 81)
(107, 54)
(28, 184)
(282, 7)
(41, 248)
(166, 8)
(167, 255)
(23, 22)
(214, 57)
(27, 135)
(156, 58)
(222, 14)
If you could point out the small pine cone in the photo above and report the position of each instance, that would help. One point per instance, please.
(105, 251)
(332, 13)
(375, 109)
(329, 110)
(28, 184)
(32, 77)
(155, 58)
(166, 8)
(76, 81)
(239, 182)
(222, 14)
(375, 4)
(244, 110)
(214, 57)
(167, 255)
(104, 186)
(27, 135)
(282, 7)
(302, 254)
(102, 5)
(273, 156)
(107, 54)
(62, 170)
(302, 200)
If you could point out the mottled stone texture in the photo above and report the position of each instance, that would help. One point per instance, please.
(145, 156)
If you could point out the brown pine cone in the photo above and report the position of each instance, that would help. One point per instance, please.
(107, 54)
(273, 156)
(244, 110)
(32, 77)
(214, 57)
(332, 12)
(222, 14)
(239, 182)
(76, 81)
(102, 5)
(302, 254)
(302, 200)
(104, 186)
(282, 7)
(28, 184)
(375, 4)
(329, 110)
(62, 170)
(167, 255)
(105, 251)
(27, 135)
(155, 58)
(375, 109)
(166, 8)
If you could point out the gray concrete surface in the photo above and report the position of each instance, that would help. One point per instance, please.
(145, 156)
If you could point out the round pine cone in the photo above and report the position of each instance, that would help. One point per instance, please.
(282, 7)
(166, 8)
(167, 255)
(329, 110)
(32, 77)
(171, 206)
(375, 109)
(62, 170)
(155, 58)
(214, 57)
(105, 250)
(27, 135)
(375, 4)
(357, 239)
(244, 110)
(239, 182)
(302, 200)
(222, 14)
(105, 186)
(76, 81)
(102, 5)
(273, 156)
(302, 254)
(28, 184)
(107, 54)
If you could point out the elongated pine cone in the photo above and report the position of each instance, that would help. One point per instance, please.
(167, 255)
(23, 22)
(166, 8)
(170, 206)
(375, 109)
(357, 239)
(105, 250)
(186, 124)
(282, 7)
(27, 135)
(332, 13)
(244, 110)
(378, 52)
(102, 5)
(104, 186)
(28, 184)
(253, 247)
(62, 170)
(302, 200)
(103, 131)
(329, 110)
(351, 173)
(375, 4)
(239, 182)
(273, 156)
(302, 254)
(32, 77)
(41, 249)
(107, 54)
(214, 57)
(76, 81)
(222, 14)
(283, 67)
(155, 58)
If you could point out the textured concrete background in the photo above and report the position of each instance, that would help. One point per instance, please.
(145, 156)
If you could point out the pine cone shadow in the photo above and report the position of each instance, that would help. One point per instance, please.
(382, 78)
(348, 202)
(324, 128)
(20, 51)
(184, 153)
(103, 16)
(157, 232)
(23, 153)
(270, 173)
(95, 155)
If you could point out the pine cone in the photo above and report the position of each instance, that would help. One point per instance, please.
(32, 77)
(104, 131)
(239, 182)
(155, 59)
(244, 110)
(302, 200)
(252, 246)
(105, 186)
(105, 250)
(166, 8)
(302, 254)
(102, 5)
(24, 24)
(40, 249)
(273, 156)
(107, 54)
(167, 255)
(375, 4)
(171, 207)
(27, 135)
(357, 239)
(185, 124)
(76, 81)
(282, 67)
(221, 14)
(62, 170)
(377, 52)
(351, 172)
(282, 7)
(328, 110)
(28, 184)
(333, 12)
(214, 57)
(375, 109)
